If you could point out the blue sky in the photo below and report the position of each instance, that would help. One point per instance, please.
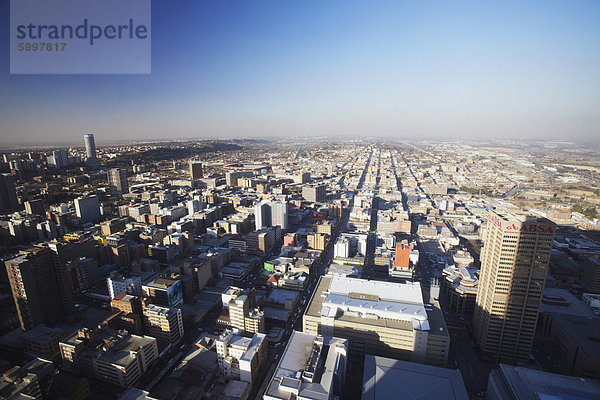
(273, 68)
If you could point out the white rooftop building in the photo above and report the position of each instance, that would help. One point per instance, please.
(311, 367)
(240, 357)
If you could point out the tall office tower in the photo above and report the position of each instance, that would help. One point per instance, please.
(514, 262)
(315, 194)
(90, 145)
(270, 213)
(87, 208)
(279, 214)
(8, 194)
(62, 252)
(117, 180)
(262, 215)
(196, 170)
(90, 150)
(34, 288)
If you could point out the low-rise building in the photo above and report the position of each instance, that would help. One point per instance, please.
(112, 356)
(311, 367)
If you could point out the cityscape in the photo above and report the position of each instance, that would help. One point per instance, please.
(313, 270)
(308, 200)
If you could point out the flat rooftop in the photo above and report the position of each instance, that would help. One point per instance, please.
(296, 359)
(386, 304)
(585, 332)
(386, 378)
(530, 384)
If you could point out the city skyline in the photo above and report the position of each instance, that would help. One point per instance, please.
(340, 69)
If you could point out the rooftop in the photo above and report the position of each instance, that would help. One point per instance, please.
(585, 332)
(300, 365)
(529, 384)
(395, 305)
(385, 378)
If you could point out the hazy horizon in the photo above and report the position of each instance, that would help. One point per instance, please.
(221, 70)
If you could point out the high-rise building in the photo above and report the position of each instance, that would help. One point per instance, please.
(164, 323)
(8, 195)
(590, 277)
(315, 194)
(90, 145)
(35, 206)
(117, 180)
(34, 288)
(196, 170)
(90, 150)
(63, 252)
(87, 208)
(269, 213)
(514, 262)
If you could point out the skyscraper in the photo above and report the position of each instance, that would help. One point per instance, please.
(90, 145)
(87, 208)
(269, 213)
(195, 170)
(61, 253)
(90, 150)
(514, 262)
(8, 195)
(117, 180)
(34, 288)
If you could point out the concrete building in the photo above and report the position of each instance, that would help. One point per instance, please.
(459, 289)
(311, 367)
(242, 315)
(315, 194)
(34, 288)
(574, 345)
(385, 378)
(115, 357)
(90, 146)
(380, 318)
(590, 277)
(517, 383)
(74, 247)
(514, 262)
(87, 208)
(196, 170)
(8, 195)
(231, 178)
(120, 284)
(28, 381)
(117, 181)
(240, 357)
(342, 247)
(164, 323)
(164, 291)
(35, 206)
(269, 213)
(42, 341)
